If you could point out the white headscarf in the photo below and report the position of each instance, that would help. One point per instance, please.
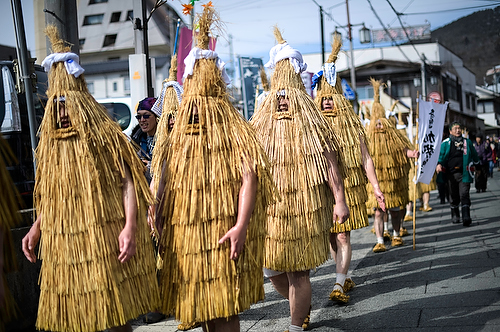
(285, 51)
(198, 53)
(71, 62)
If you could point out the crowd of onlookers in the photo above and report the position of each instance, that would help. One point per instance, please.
(488, 152)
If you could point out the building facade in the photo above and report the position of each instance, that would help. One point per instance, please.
(443, 77)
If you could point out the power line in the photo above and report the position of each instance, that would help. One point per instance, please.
(387, 31)
(450, 10)
(398, 14)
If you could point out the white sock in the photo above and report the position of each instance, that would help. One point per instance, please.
(340, 279)
(294, 328)
(380, 240)
(386, 226)
(394, 233)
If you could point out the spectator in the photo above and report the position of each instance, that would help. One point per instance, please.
(484, 153)
(455, 158)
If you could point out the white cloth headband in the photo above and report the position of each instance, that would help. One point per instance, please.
(285, 51)
(157, 107)
(71, 62)
(198, 53)
(330, 73)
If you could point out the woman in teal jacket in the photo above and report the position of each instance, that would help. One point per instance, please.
(456, 157)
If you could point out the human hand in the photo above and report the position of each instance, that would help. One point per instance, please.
(340, 213)
(237, 235)
(127, 244)
(439, 168)
(29, 242)
(380, 197)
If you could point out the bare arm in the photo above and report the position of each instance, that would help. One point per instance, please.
(127, 236)
(246, 203)
(371, 174)
(412, 153)
(336, 183)
(31, 239)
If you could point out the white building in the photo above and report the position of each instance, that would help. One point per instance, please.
(400, 67)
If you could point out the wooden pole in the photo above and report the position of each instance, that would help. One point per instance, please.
(415, 184)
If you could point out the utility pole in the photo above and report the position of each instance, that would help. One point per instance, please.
(141, 40)
(353, 70)
(63, 14)
(22, 57)
(424, 78)
(322, 32)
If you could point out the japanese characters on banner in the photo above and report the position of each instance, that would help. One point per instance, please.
(431, 119)
(249, 72)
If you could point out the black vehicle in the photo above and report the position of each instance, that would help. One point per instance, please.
(15, 126)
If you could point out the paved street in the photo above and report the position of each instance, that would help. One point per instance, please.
(450, 282)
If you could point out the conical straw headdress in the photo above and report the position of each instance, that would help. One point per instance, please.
(295, 141)
(348, 127)
(387, 148)
(79, 195)
(210, 149)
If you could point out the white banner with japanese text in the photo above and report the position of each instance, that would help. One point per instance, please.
(431, 117)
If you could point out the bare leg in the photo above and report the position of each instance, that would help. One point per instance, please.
(230, 324)
(124, 328)
(344, 252)
(299, 296)
(333, 246)
(379, 222)
(280, 283)
(396, 220)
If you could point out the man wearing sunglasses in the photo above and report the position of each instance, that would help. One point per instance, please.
(144, 133)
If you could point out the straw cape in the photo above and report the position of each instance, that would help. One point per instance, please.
(168, 102)
(78, 194)
(387, 149)
(298, 226)
(265, 86)
(205, 162)
(9, 217)
(350, 131)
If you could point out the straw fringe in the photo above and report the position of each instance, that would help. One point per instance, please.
(204, 165)
(298, 226)
(348, 127)
(83, 287)
(263, 78)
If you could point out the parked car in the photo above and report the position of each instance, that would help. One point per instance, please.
(121, 111)
(15, 125)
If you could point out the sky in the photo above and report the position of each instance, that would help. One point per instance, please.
(250, 22)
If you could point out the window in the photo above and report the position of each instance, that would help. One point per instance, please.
(113, 58)
(93, 19)
(400, 89)
(115, 86)
(109, 40)
(467, 101)
(90, 86)
(126, 84)
(365, 92)
(81, 42)
(115, 17)
(93, 2)
(130, 15)
(473, 102)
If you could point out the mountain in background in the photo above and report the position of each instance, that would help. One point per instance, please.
(476, 39)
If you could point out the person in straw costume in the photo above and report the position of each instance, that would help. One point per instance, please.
(302, 151)
(167, 104)
(91, 198)
(9, 217)
(216, 186)
(390, 151)
(357, 162)
(265, 88)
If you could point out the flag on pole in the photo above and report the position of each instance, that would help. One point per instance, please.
(430, 130)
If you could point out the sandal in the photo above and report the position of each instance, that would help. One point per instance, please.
(339, 295)
(307, 320)
(348, 285)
